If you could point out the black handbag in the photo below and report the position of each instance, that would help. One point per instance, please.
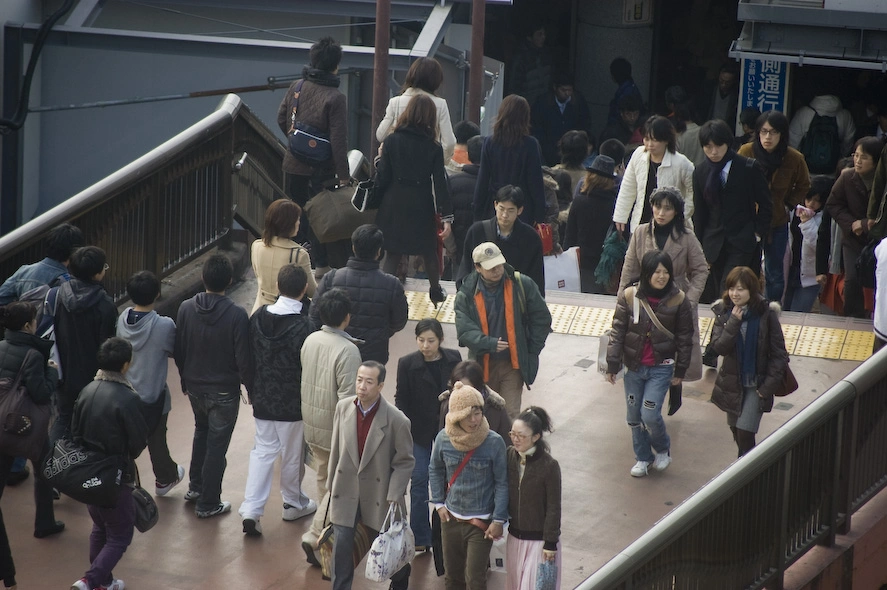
(866, 264)
(86, 476)
(147, 514)
(24, 425)
(366, 196)
(307, 143)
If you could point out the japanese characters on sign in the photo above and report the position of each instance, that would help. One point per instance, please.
(764, 85)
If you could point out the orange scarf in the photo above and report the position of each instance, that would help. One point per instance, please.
(509, 325)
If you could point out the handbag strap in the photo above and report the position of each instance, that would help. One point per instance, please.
(655, 319)
(460, 467)
(295, 109)
(21, 370)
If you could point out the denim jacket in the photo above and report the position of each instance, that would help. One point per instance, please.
(474, 492)
(30, 276)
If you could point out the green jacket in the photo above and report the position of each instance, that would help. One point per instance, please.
(533, 322)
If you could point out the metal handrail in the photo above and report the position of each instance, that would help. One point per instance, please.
(170, 205)
(645, 563)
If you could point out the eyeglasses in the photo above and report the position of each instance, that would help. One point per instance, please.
(768, 132)
(518, 435)
(106, 267)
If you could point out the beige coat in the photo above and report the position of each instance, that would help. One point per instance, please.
(267, 262)
(690, 267)
(398, 104)
(377, 477)
(330, 360)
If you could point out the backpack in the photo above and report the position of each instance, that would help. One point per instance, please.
(45, 299)
(821, 144)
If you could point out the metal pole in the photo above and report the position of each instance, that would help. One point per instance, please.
(380, 67)
(476, 62)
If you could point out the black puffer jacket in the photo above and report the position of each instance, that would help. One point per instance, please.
(39, 379)
(771, 362)
(108, 419)
(276, 345)
(378, 305)
(462, 196)
(627, 338)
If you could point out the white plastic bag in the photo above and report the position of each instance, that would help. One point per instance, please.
(498, 551)
(393, 548)
(562, 271)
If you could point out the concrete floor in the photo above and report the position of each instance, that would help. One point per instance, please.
(604, 509)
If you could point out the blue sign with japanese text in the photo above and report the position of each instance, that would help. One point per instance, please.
(764, 85)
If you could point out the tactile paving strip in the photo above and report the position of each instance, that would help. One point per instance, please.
(857, 346)
(820, 342)
(591, 321)
(826, 343)
(562, 316)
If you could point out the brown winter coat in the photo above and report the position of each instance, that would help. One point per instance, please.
(627, 338)
(322, 107)
(494, 412)
(771, 362)
(847, 203)
(789, 184)
(534, 502)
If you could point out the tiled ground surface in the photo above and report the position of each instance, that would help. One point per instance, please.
(604, 509)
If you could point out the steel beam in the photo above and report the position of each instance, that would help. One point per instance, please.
(85, 13)
(433, 32)
(814, 15)
(400, 9)
(11, 166)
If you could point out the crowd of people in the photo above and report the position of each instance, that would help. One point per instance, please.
(703, 217)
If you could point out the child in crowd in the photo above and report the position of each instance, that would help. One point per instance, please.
(810, 233)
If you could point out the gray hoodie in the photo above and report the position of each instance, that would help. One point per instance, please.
(153, 338)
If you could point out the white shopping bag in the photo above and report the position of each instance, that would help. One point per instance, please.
(393, 548)
(562, 271)
(497, 551)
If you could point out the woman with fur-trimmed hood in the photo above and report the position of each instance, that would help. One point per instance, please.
(747, 333)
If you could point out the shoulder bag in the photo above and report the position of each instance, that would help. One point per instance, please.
(87, 476)
(307, 143)
(24, 425)
(147, 513)
(788, 384)
(675, 392)
(333, 217)
(393, 548)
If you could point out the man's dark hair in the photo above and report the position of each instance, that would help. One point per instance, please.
(562, 78)
(510, 194)
(217, 273)
(325, 54)
(333, 306)
(620, 69)
(86, 262)
(573, 148)
(630, 103)
(113, 354)
(143, 287)
(729, 67)
(716, 132)
(62, 240)
(292, 280)
(821, 186)
(749, 116)
(465, 130)
(613, 148)
(378, 366)
(366, 241)
(474, 148)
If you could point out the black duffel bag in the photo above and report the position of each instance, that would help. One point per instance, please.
(866, 263)
(87, 476)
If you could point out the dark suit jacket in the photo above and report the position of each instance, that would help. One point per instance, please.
(746, 188)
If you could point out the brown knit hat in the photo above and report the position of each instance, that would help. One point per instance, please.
(462, 400)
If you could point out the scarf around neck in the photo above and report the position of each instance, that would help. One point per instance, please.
(465, 441)
(747, 346)
(321, 77)
(712, 190)
(771, 161)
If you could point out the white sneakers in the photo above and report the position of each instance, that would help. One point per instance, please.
(163, 489)
(660, 463)
(293, 513)
(81, 584)
(640, 469)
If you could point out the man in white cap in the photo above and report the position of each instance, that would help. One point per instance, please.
(503, 321)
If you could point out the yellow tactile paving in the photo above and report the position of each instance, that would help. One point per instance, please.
(857, 346)
(825, 343)
(791, 333)
(591, 321)
(562, 316)
(820, 342)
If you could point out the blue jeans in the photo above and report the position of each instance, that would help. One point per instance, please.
(215, 415)
(645, 391)
(419, 519)
(774, 256)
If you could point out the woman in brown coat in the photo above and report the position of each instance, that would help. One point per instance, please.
(789, 181)
(654, 359)
(847, 205)
(748, 335)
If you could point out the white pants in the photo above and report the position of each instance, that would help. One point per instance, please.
(275, 438)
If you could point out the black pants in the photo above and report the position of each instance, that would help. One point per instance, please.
(301, 190)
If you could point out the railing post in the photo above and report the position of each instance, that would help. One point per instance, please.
(785, 483)
(155, 244)
(226, 189)
(848, 465)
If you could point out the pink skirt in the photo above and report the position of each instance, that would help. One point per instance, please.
(521, 560)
